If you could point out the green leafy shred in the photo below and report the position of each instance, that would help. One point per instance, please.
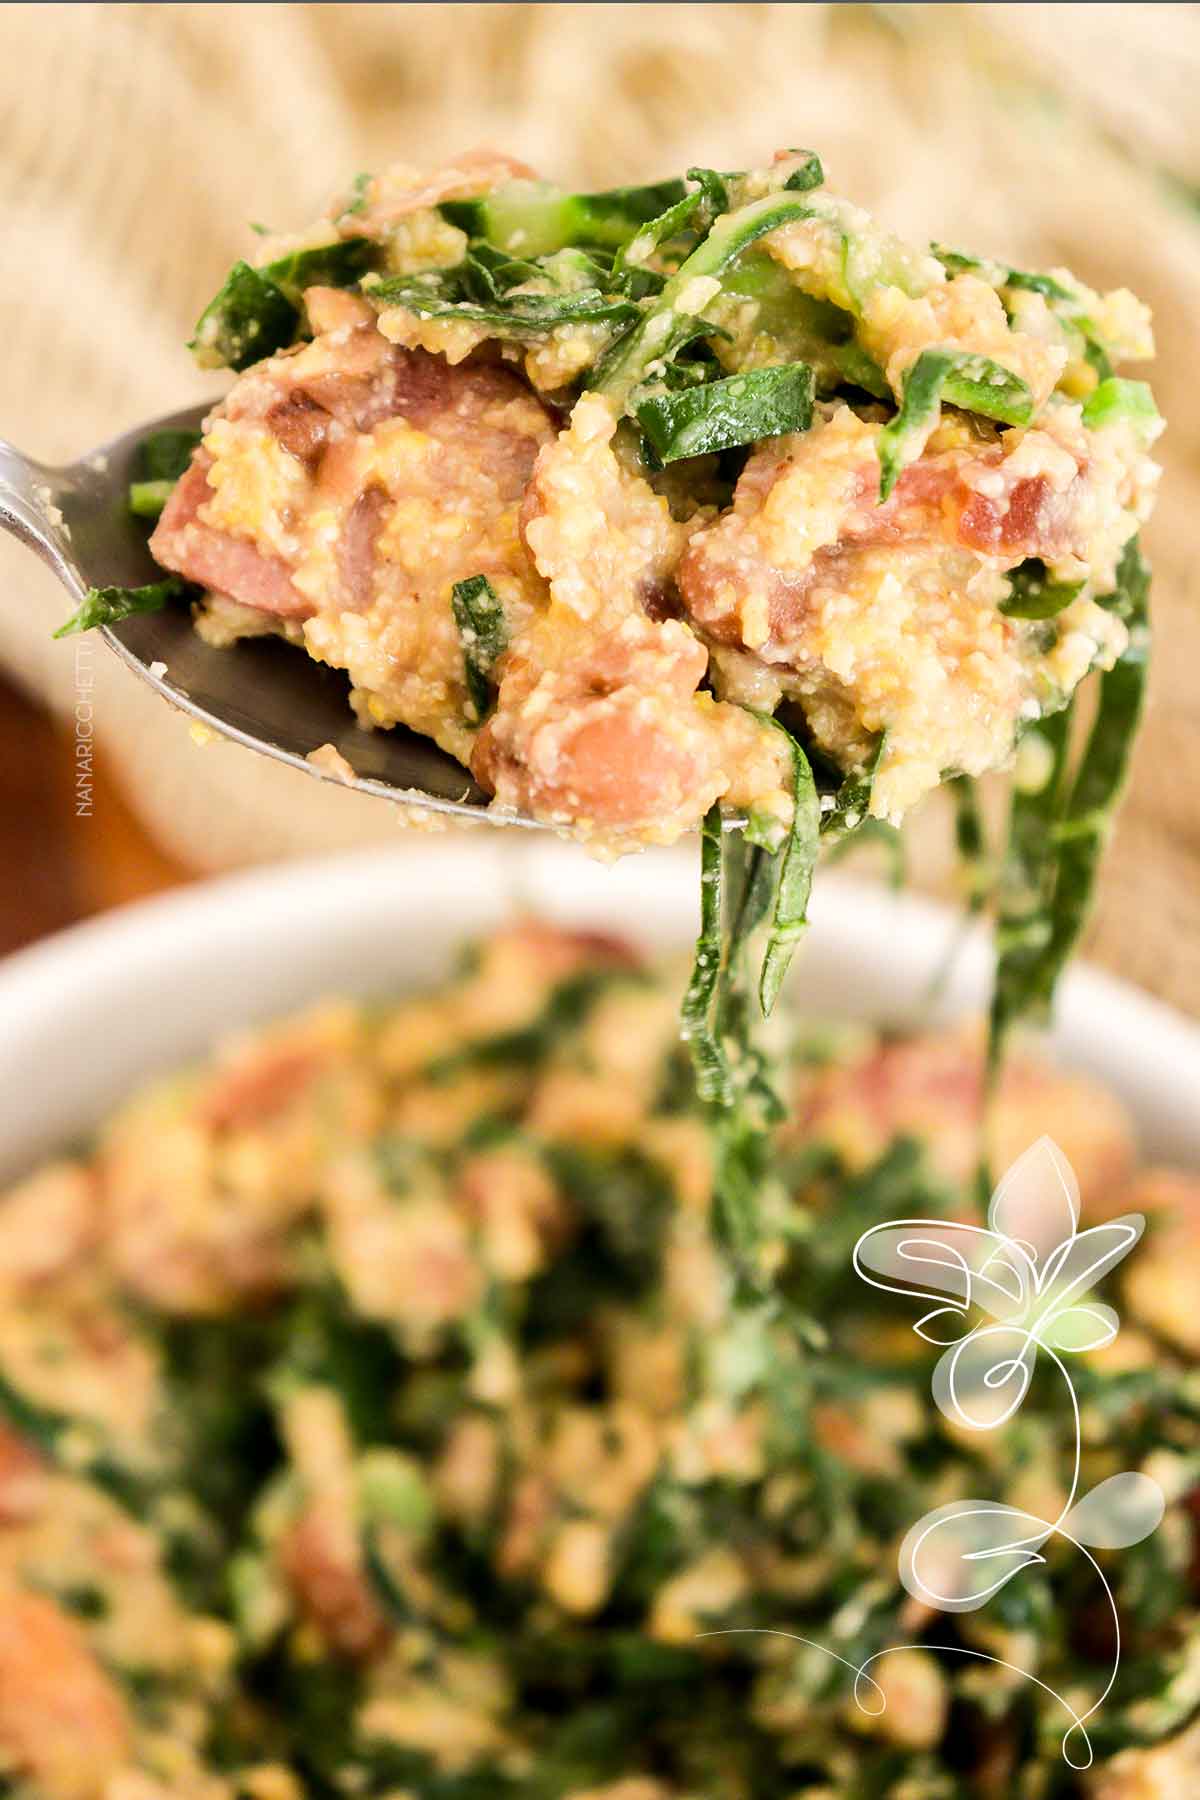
(162, 458)
(958, 262)
(976, 383)
(751, 879)
(633, 256)
(741, 409)
(807, 175)
(849, 804)
(258, 311)
(165, 455)
(797, 859)
(483, 632)
(1071, 304)
(109, 605)
(521, 317)
(1060, 823)
(532, 218)
(805, 329)
(669, 320)
(1115, 400)
(338, 264)
(1104, 766)
(714, 189)
(147, 498)
(761, 874)
(1028, 876)
(248, 318)
(1034, 594)
(699, 1002)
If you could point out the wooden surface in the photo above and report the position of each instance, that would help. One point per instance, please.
(59, 867)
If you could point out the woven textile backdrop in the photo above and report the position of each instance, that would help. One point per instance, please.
(136, 141)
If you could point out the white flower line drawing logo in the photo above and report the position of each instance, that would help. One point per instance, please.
(1031, 1270)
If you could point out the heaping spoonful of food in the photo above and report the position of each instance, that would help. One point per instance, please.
(619, 512)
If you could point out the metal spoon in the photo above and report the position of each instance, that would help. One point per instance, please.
(262, 693)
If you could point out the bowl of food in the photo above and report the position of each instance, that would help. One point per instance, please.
(386, 1407)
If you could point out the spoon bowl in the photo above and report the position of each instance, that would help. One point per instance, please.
(260, 692)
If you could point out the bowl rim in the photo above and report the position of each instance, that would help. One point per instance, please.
(94, 1009)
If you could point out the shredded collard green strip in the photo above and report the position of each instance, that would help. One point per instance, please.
(164, 455)
(531, 218)
(109, 605)
(744, 1105)
(632, 256)
(162, 458)
(606, 217)
(746, 876)
(521, 316)
(958, 262)
(258, 311)
(797, 859)
(699, 1026)
(813, 331)
(147, 498)
(741, 409)
(808, 175)
(1115, 399)
(1032, 594)
(338, 264)
(760, 874)
(714, 188)
(483, 630)
(1100, 778)
(850, 802)
(750, 879)
(670, 319)
(1058, 830)
(247, 319)
(1027, 879)
(358, 195)
(975, 383)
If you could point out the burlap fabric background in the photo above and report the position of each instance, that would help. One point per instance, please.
(136, 141)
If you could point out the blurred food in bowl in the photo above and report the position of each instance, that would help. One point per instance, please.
(1042, 134)
(377, 1419)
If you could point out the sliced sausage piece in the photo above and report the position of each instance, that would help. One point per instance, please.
(297, 534)
(215, 559)
(598, 722)
(886, 619)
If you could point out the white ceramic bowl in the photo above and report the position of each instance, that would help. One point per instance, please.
(93, 1011)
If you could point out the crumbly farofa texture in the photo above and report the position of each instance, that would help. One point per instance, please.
(376, 1422)
(471, 400)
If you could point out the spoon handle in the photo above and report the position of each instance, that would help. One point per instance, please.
(29, 509)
